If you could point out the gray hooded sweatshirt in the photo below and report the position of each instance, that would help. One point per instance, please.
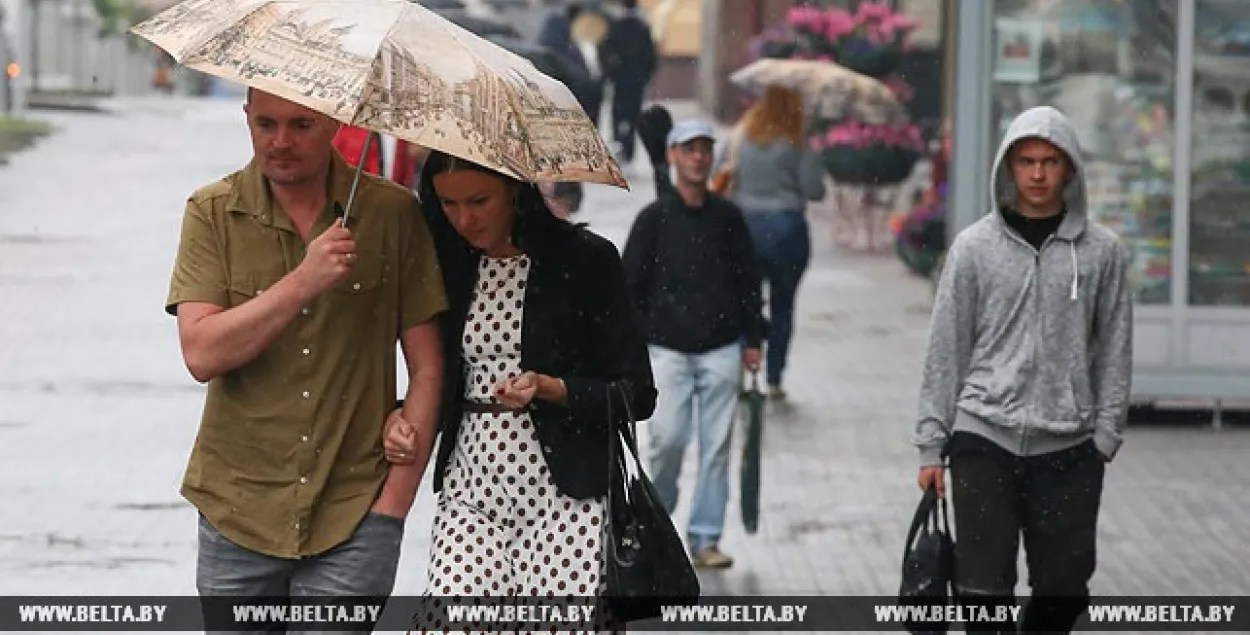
(1031, 349)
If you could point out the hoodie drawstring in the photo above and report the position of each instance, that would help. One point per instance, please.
(1076, 272)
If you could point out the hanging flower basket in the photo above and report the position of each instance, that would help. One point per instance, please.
(775, 43)
(855, 153)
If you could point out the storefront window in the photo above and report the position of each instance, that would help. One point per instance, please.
(1219, 241)
(1109, 65)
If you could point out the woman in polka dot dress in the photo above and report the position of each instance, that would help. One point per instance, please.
(537, 328)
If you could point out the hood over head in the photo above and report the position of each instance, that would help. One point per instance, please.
(1047, 123)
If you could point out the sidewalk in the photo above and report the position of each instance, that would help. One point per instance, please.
(97, 413)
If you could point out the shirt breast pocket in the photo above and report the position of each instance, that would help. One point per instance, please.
(363, 278)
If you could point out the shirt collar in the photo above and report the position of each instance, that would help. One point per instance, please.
(253, 196)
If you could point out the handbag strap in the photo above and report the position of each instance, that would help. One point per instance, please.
(923, 512)
(627, 426)
(625, 429)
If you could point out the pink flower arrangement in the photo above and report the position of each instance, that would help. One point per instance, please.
(806, 18)
(860, 135)
(873, 21)
(839, 24)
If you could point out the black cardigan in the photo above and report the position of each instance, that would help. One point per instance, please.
(578, 325)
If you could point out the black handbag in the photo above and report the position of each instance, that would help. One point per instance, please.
(928, 562)
(647, 565)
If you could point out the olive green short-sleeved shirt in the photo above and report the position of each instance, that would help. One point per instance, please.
(289, 457)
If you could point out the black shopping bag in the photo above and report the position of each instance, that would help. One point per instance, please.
(928, 562)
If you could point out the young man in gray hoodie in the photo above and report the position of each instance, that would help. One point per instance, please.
(1026, 382)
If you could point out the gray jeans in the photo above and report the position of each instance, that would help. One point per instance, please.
(363, 566)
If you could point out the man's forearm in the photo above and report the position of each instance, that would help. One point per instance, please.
(224, 341)
(421, 403)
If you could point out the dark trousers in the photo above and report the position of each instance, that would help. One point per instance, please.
(627, 100)
(783, 250)
(1053, 500)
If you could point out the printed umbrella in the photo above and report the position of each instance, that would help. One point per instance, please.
(397, 68)
(750, 471)
(830, 91)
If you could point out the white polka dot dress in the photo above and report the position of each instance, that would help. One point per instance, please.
(501, 528)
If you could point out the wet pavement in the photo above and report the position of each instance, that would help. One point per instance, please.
(97, 413)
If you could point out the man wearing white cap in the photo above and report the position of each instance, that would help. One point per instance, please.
(691, 271)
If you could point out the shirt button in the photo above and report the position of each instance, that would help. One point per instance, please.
(304, 310)
(547, 448)
(306, 351)
(297, 525)
(356, 286)
(307, 394)
(304, 438)
(303, 480)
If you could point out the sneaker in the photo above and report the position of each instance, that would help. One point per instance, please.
(776, 392)
(711, 558)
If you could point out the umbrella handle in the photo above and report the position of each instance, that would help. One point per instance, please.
(360, 166)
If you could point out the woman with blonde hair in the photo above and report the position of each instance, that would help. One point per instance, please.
(768, 171)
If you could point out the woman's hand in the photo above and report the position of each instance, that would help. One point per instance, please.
(399, 440)
(518, 391)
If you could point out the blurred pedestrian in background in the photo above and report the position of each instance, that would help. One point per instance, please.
(630, 60)
(771, 174)
(692, 274)
(576, 33)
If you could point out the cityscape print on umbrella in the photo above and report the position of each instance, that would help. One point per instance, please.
(274, 46)
(502, 119)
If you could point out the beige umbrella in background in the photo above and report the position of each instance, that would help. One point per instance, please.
(829, 91)
(397, 68)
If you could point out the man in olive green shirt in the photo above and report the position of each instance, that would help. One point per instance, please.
(292, 320)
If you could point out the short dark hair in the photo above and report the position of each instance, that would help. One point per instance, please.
(629, 4)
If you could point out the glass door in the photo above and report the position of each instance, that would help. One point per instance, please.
(1110, 66)
(1219, 227)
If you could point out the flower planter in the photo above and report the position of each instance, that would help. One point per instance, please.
(778, 50)
(866, 58)
(872, 165)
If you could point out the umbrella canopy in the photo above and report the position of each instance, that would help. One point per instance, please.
(544, 59)
(830, 91)
(394, 67)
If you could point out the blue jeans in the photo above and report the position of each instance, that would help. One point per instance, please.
(783, 250)
(711, 379)
(363, 566)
